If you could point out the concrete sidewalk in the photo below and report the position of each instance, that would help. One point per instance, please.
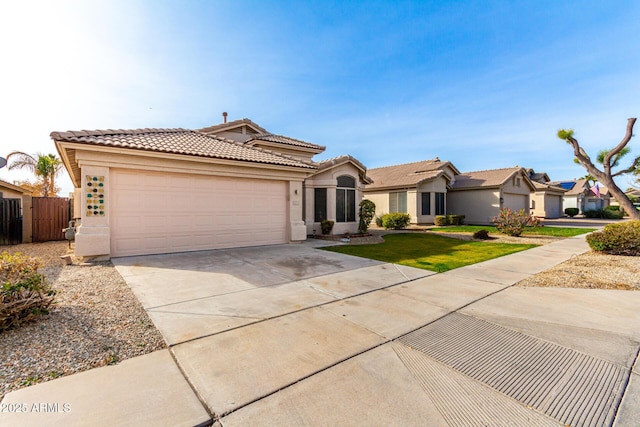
(294, 336)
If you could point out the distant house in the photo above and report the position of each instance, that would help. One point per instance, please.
(579, 195)
(546, 200)
(419, 189)
(480, 195)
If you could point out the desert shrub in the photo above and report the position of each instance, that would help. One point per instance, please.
(24, 293)
(617, 239)
(603, 214)
(572, 212)
(367, 212)
(455, 219)
(395, 220)
(440, 220)
(513, 223)
(326, 226)
(481, 234)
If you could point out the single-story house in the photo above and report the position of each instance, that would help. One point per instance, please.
(12, 191)
(480, 195)
(579, 195)
(148, 191)
(419, 189)
(546, 201)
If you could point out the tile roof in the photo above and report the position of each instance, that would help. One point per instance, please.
(178, 141)
(407, 174)
(335, 161)
(485, 178)
(269, 137)
(231, 125)
(578, 187)
(539, 186)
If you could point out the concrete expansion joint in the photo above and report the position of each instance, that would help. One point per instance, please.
(625, 388)
(202, 401)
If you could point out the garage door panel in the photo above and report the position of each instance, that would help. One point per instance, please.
(159, 213)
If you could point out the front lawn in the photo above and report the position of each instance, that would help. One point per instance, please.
(528, 231)
(430, 251)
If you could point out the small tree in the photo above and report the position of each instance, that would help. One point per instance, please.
(367, 212)
(609, 160)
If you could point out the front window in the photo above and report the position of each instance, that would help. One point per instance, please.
(440, 208)
(319, 204)
(426, 203)
(346, 199)
(398, 201)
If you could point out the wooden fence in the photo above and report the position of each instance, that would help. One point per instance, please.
(50, 216)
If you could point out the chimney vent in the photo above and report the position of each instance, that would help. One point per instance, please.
(224, 116)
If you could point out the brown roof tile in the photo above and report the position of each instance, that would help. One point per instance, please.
(233, 124)
(485, 178)
(178, 141)
(269, 137)
(407, 174)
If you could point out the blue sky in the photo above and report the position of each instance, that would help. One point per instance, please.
(484, 84)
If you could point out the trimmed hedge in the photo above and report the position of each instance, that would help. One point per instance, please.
(603, 214)
(395, 220)
(455, 219)
(481, 234)
(571, 212)
(326, 226)
(440, 220)
(617, 239)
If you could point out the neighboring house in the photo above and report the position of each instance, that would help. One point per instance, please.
(480, 195)
(419, 189)
(546, 201)
(12, 191)
(149, 191)
(579, 195)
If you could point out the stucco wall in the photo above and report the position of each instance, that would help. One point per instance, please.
(438, 185)
(328, 179)
(478, 206)
(545, 205)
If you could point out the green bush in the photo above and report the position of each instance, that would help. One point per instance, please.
(326, 226)
(603, 214)
(455, 219)
(440, 220)
(367, 212)
(513, 223)
(395, 220)
(378, 220)
(481, 234)
(617, 239)
(615, 212)
(24, 293)
(572, 212)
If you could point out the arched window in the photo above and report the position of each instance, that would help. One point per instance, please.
(346, 199)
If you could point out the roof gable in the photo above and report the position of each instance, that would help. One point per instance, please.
(13, 187)
(409, 174)
(334, 162)
(491, 178)
(243, 126)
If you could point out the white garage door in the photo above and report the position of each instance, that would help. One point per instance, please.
(155, 213)
(515, 202)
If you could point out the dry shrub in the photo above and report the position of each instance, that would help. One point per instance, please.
(24, 293)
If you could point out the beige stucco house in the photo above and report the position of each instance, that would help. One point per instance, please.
(546, 201)
(418, 188)
(149, 191)
(480, 195)
(579, 195)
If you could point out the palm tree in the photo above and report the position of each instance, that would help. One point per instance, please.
(44, 166)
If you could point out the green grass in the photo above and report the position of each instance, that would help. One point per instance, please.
(430, 251)
(529, 231)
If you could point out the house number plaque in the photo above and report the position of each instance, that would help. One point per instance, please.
(94, 192)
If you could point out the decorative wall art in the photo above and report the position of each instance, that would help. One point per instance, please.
(96, 203)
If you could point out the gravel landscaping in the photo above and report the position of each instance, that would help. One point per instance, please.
(96, 320)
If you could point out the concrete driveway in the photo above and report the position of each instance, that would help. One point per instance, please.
(290, 335)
